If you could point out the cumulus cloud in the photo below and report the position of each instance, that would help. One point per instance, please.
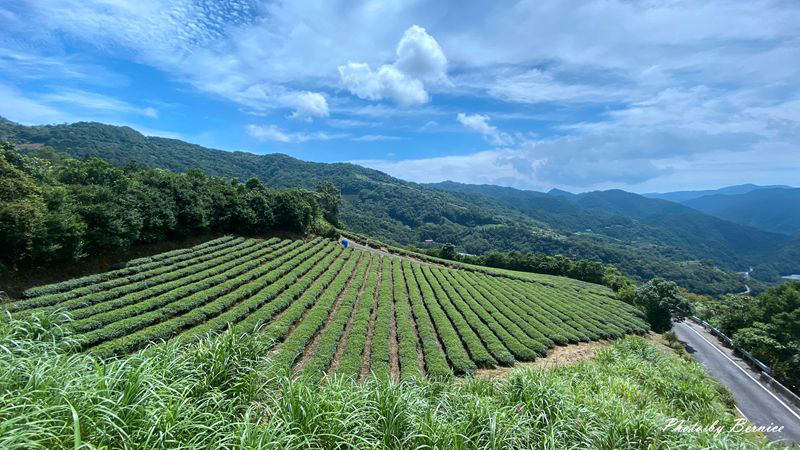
(271, 133)
(306, 104)
(419, 60)
(480, 123)
(420, 56)
(386, 82)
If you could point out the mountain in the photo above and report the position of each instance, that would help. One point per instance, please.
(633, 218)
(683, 196)
(644, 237)
(771, 209)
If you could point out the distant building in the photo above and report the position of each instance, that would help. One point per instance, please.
(429, 241)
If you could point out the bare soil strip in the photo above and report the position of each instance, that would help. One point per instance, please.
(371, 330)
(394, 358)
(337, 357)
(557, 357)
(312, 347)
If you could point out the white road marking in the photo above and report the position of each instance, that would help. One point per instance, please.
(745, 372)
(740, 412)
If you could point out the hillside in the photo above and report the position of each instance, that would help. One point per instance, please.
(328, 309)
(776, 209)
(394, 210)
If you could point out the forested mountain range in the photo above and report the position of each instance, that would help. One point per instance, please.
(772, 209)
(643, 237)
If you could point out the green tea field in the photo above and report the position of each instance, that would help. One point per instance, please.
(327, 309)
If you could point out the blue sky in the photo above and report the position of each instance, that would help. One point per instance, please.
(580, 95)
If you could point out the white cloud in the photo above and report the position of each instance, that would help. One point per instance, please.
(480, 123)
(26, 65)
(420, 56)
(349, 123)
(275, 134)
(387, 82)
(490, 166)
(306, 104)
(376, 137)
(419, 60)
(96, 102)
(19, 108)
(430, 125)
(268, 133)
(536, 86)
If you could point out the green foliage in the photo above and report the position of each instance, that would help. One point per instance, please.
(448, 251)
(330, 200)
(56, 212)
(218, 393)
(662, 303)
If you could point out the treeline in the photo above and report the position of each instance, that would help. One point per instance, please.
(767, 325)
(61, 209)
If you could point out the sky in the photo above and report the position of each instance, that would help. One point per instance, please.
(646, 96)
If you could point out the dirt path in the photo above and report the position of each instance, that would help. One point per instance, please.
(312, 347)
(371, 329)
(557, 357)
(337, 357)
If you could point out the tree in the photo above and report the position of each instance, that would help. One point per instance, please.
(448, 251)
(662, 303)
(330, 199)
(62, 210)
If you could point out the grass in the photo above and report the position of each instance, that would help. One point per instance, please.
(217, 393)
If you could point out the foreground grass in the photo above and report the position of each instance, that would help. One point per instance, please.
(215, 394)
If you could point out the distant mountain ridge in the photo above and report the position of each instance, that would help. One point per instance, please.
(771, 209)
(644, 237)
(683, 196)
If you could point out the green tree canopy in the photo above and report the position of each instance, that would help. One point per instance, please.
(662, 303)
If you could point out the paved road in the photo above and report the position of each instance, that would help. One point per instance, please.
(758, 402)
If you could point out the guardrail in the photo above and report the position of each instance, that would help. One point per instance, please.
(766, 372)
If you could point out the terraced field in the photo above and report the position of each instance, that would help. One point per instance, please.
(327, 309)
